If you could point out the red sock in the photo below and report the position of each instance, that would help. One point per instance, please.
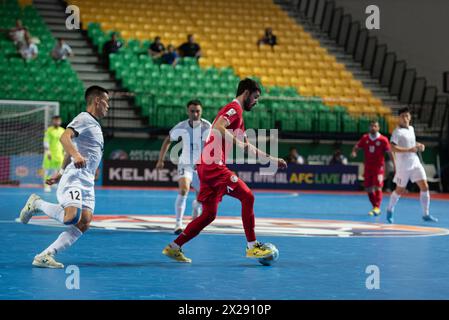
(372, 198)
(378, 195)
(198, 224)
(246, 197)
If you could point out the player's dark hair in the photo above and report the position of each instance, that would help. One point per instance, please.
(56, 117)
(404, 110)
(373, 122)
(92, 92)
(195, 102)
(247, 84)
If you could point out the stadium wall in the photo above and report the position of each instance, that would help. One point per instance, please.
(319, 151)
(416, 30)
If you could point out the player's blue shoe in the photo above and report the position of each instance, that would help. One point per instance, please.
(390, 216)
(429, 218)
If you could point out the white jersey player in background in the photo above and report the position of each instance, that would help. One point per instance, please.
(191, 133)
(83, 144)
(408, 165)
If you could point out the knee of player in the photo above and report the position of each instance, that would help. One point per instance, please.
(83, 226)
(183, 191)
(85, 221)
(209, 214)
(72, 215)
(249, 197)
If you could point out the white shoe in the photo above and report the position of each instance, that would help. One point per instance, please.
(47, 261)
(47, 188)
(29, 209)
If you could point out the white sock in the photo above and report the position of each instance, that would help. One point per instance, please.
(52, 210)
(424, 198)
(251, 244)
(180, 207)
(174, 245)
(394, 198)
(65, 240)
(197, 208)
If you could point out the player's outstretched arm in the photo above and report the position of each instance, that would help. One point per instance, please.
(221, 124)
(163, 152)
(261, 154)
(69, 148)
(391, 156)
(354, 151)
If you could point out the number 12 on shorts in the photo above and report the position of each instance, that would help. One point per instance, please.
(75, 195)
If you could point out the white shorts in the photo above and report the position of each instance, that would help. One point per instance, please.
(76, 189)
(186, 171)
(414, 174)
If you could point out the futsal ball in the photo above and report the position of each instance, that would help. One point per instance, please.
(268, 261)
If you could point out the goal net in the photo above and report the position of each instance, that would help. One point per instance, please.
(22, 128)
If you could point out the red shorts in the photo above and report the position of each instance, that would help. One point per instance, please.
(215, 182)
(374, 179)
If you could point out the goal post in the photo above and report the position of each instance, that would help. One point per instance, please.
(22, 128)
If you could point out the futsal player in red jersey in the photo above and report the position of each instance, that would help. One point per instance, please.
(216, 180)
(374, 146)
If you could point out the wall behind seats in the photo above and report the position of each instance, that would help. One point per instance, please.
(417, 30)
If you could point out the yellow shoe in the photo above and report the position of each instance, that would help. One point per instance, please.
(375, 212)
(258, 251)
(176, 254)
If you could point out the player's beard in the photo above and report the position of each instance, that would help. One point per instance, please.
(247, 104)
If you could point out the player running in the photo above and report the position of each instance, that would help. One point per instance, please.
(83, 144)
(217, 180)
(374, 146)
(53, 151)
(408, 165)
(191, 132)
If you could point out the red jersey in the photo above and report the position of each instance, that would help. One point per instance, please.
(216, 151)
(374, 151)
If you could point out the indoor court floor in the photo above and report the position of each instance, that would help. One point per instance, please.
(326, 242)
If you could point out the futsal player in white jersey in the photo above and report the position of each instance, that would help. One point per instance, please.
(191, 133)
(408, 165)
(83, 144)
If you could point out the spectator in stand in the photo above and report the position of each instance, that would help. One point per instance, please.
(190, 48)
(338, 158)
(61, 51)
(156, 49)
(170, 57)
(294, 157)
(269, 39)
(111, 46)
(29, 50)
(17, 34)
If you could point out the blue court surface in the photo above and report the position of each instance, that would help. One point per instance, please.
(326, 244)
